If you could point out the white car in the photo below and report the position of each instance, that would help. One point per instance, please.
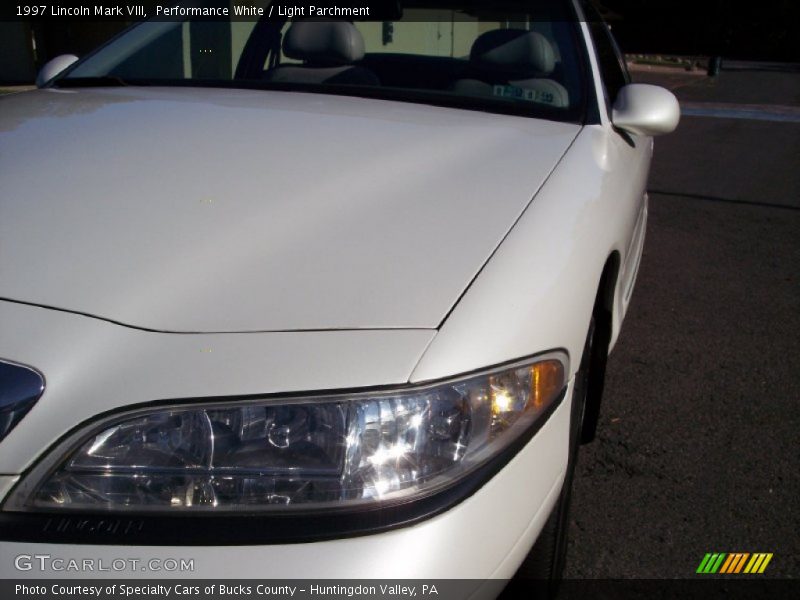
(315, 298)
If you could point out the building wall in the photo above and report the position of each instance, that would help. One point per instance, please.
(16, 53)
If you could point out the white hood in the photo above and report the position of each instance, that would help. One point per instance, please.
(231, 210)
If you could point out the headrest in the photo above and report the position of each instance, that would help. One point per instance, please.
(324, 42)
(514, 50)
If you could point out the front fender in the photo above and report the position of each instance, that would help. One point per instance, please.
(537, 291)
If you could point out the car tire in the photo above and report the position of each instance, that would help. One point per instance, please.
(596, 373)
(545, 562)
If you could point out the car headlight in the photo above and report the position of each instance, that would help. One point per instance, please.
(307, 453)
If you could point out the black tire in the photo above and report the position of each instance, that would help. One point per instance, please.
(545, 562)
(596, 379)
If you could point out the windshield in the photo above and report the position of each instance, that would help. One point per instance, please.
(521, 57)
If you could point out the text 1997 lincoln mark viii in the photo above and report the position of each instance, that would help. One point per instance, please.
(317, 298)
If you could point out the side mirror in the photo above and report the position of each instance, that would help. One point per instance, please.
(53, 67)
(644, 109)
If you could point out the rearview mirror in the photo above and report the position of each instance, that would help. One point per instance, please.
(644, 109)
(53, 67)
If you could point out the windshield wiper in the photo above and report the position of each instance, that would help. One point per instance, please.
(86, 82)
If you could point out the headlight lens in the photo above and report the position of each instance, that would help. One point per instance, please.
(308, 453)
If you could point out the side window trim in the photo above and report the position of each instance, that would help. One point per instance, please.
(602, 42)
(623, 65)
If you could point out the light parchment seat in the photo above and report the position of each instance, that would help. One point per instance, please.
(327, 50)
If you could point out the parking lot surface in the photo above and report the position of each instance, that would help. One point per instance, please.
(699, 442)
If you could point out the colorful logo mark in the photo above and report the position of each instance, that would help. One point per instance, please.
(734, 563)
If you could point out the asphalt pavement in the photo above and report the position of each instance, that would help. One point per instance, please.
(699, 442)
